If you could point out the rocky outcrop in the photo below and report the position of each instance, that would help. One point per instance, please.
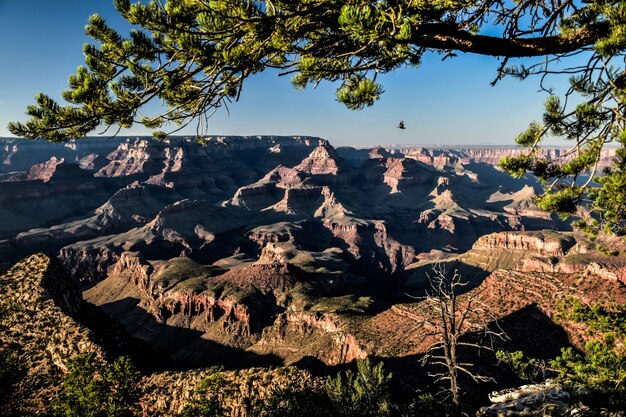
(243, 308)
(330, 207)
(545, 243)
(19, 155)
(267, 278)
(276, 252)
(256, 196)
(284, 177)
(523, 251)
(87, 264)
(490, 155)
(322, 161)
(247, 315)
(371, 244)
(178, 309)
(262, 236)
(437, 219)
(299, 200)
(402, 172)
(128, 159)
(547, 398)
(38, 301)
(248, 143)
(131, 265)
(39, 331)
(131, 206)
(166, 394)
(399, 255)
(295, 335)
(39, 172)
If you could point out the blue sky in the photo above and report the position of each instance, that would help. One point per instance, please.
(449, 102)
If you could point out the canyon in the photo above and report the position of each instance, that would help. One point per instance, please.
(263, 250)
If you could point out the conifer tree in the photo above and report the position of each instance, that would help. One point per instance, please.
(94, 388)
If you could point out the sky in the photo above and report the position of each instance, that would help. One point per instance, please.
(442, 102)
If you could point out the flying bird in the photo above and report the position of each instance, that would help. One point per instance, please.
(401, 125)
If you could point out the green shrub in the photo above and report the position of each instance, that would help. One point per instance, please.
(94, 388)
(362, 393)
(602, 367)
(598, 375)
(209, 397)
(599, 318)
(529, 369)
(602, 371)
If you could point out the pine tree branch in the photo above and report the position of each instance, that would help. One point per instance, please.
(443, 36)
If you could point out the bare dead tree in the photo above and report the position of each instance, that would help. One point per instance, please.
(455, 315)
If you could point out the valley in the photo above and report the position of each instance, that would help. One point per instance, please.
(276, 251)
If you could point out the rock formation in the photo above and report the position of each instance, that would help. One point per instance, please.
(43, 326)
(265, 247)
(38, 304)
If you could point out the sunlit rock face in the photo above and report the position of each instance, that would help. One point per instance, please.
(268, 246)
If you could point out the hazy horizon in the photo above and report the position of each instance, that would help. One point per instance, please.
(332, 143)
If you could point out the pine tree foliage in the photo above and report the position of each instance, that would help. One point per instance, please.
(195, 55)
(93, 388)
(362, 393)
(601, 368)
(528, 369)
